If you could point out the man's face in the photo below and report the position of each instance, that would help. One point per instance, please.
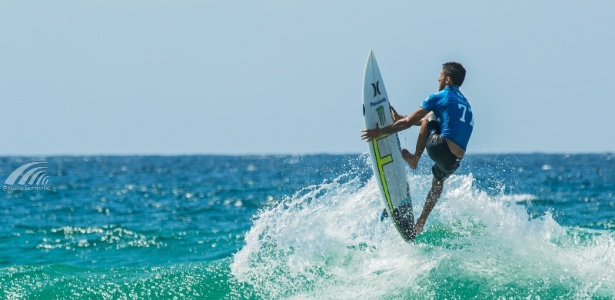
(443, 80)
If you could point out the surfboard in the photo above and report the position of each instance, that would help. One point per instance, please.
(385, 152)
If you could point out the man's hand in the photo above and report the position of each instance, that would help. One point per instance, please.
(370, 134)
(395, 115)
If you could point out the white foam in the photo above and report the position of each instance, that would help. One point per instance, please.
(327, 242)
(519, 198)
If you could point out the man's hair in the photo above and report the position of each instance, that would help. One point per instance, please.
(455, 71)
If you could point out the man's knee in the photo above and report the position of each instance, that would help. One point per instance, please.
(432, 117)
(425, 125)
(432, 125)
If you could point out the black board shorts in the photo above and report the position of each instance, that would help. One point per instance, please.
(445, 162)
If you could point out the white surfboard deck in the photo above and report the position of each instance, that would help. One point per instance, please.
(385, 152)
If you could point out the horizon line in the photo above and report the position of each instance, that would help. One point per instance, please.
(332, 153)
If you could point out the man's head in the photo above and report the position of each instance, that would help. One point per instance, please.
(453, 73)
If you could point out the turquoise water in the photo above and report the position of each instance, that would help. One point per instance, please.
(531, 226)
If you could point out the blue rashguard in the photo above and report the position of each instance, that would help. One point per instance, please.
(454, 113)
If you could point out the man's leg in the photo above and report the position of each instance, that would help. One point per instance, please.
(430, 203)
(421, 143)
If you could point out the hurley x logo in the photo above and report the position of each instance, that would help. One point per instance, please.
(376, 88)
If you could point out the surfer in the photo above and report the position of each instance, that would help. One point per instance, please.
(446, 121)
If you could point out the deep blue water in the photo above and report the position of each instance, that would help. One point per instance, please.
(261, 227)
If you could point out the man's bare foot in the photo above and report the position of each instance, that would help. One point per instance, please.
(412, 160)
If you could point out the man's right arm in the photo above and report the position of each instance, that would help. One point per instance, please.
(406, 122)
(417, 117)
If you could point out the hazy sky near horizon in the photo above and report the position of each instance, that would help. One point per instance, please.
(285, 77)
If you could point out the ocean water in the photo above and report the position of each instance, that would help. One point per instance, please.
(531, 226)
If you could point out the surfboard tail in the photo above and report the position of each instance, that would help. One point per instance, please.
(404, 220)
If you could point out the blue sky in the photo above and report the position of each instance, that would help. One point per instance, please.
(285, 77)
